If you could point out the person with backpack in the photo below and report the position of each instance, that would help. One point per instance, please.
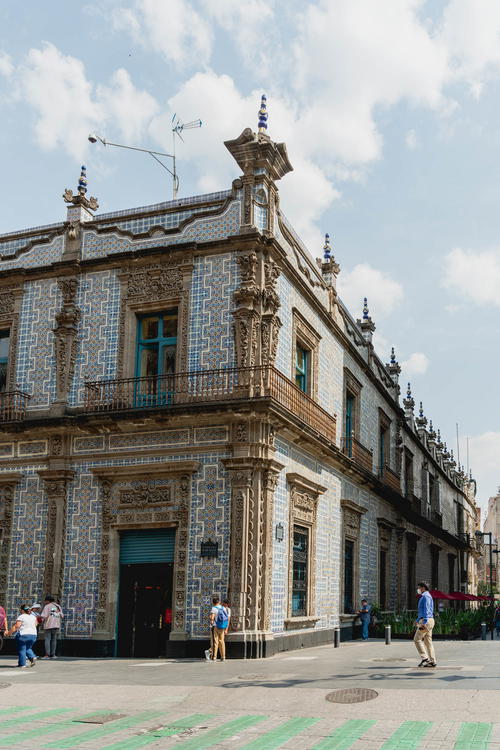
(221, 622)
(52, 615)
(209, 653)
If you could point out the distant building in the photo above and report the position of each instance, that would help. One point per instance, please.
(187, 409)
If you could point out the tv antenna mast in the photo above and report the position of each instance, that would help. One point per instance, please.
(177, 128)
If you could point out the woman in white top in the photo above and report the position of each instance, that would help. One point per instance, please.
(25, 630)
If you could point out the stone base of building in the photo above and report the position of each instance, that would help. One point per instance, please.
(191, 649)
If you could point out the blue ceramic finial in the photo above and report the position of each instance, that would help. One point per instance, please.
(365, 309)
(393, 356)
(421, 411)
(263, 114)
(82, 182)
(327, 250)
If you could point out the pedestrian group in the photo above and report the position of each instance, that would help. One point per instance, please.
(25, 629)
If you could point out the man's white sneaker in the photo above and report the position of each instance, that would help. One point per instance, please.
(207, 654)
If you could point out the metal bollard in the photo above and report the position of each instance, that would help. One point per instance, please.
(387, 635)
(483, 631)
(336, 637)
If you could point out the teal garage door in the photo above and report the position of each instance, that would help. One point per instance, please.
(147, 546)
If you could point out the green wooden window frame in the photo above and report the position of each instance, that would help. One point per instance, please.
(302, 362)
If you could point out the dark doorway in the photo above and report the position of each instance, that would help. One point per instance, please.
(145, 594)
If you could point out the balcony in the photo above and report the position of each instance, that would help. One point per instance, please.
(361, 455)
(390, 478)
(209, 386)
(13, 406)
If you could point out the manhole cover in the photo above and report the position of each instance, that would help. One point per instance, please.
(5, 684)
(352, 695)
(99, 718)
(393, 659)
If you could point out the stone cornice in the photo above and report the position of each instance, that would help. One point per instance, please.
(351, 505)
(297, 480)
(145, 471)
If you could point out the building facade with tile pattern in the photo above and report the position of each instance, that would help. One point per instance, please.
(234, 454)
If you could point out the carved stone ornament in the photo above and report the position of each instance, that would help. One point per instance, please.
(80, 200)
(65, 337)
(153, 282)
(10, 297)
(248, 266)
(145, 495)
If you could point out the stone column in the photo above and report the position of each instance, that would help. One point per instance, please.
(56, 486)
(8, 482)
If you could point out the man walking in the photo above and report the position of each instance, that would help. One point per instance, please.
(425, 624)
(51, 616)
(364, 616)
(209, 653)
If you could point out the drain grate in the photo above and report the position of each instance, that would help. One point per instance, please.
(99, 718)
(5, 684)
(351, 695)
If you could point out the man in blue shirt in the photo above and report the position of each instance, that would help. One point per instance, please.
(364, 616)
(425, 624)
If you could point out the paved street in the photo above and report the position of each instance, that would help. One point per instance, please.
(274, 703)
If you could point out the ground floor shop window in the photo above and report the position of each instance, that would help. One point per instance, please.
(300, 571)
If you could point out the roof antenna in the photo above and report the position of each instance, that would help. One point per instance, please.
(177, 128)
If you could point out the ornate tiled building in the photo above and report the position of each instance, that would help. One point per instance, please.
(187, 408)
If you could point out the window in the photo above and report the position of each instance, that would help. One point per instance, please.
(304, 355)
(155, 358)
(408, 475)
(411, 582)
(348, 575)
(383, 439)
(156, 344)
(451, 573)
(4, 358)
(300, 571)
(302, 360)
(349, 422)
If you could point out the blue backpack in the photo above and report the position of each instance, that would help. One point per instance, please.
(222, 619)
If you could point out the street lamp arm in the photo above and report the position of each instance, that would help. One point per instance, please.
(94, 137)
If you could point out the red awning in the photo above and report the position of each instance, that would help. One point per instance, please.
(459, 596)
(436, 594)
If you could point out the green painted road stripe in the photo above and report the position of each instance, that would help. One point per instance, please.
(103, 731)
(13, 739)
(278, 736)
(345, 736)
(176, 728)
(473, 734)
(15, 709)
(224, 732)
(408, 736)
(32, 717)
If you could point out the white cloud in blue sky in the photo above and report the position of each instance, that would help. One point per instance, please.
(389, 111)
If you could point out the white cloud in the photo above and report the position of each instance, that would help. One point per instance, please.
(129, 109)
(474, 275)
(411, 140)
(174, 29)
(68, 106)
(6, 66)
(416, 364)
(384, 293)
(55, 85)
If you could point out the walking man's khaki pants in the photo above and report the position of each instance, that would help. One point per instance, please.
(423, 640)
(219, 643)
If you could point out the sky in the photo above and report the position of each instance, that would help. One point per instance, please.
(390, 112)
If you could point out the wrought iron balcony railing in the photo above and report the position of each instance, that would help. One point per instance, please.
(361, 455)
(13, 406)
(207, 386)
